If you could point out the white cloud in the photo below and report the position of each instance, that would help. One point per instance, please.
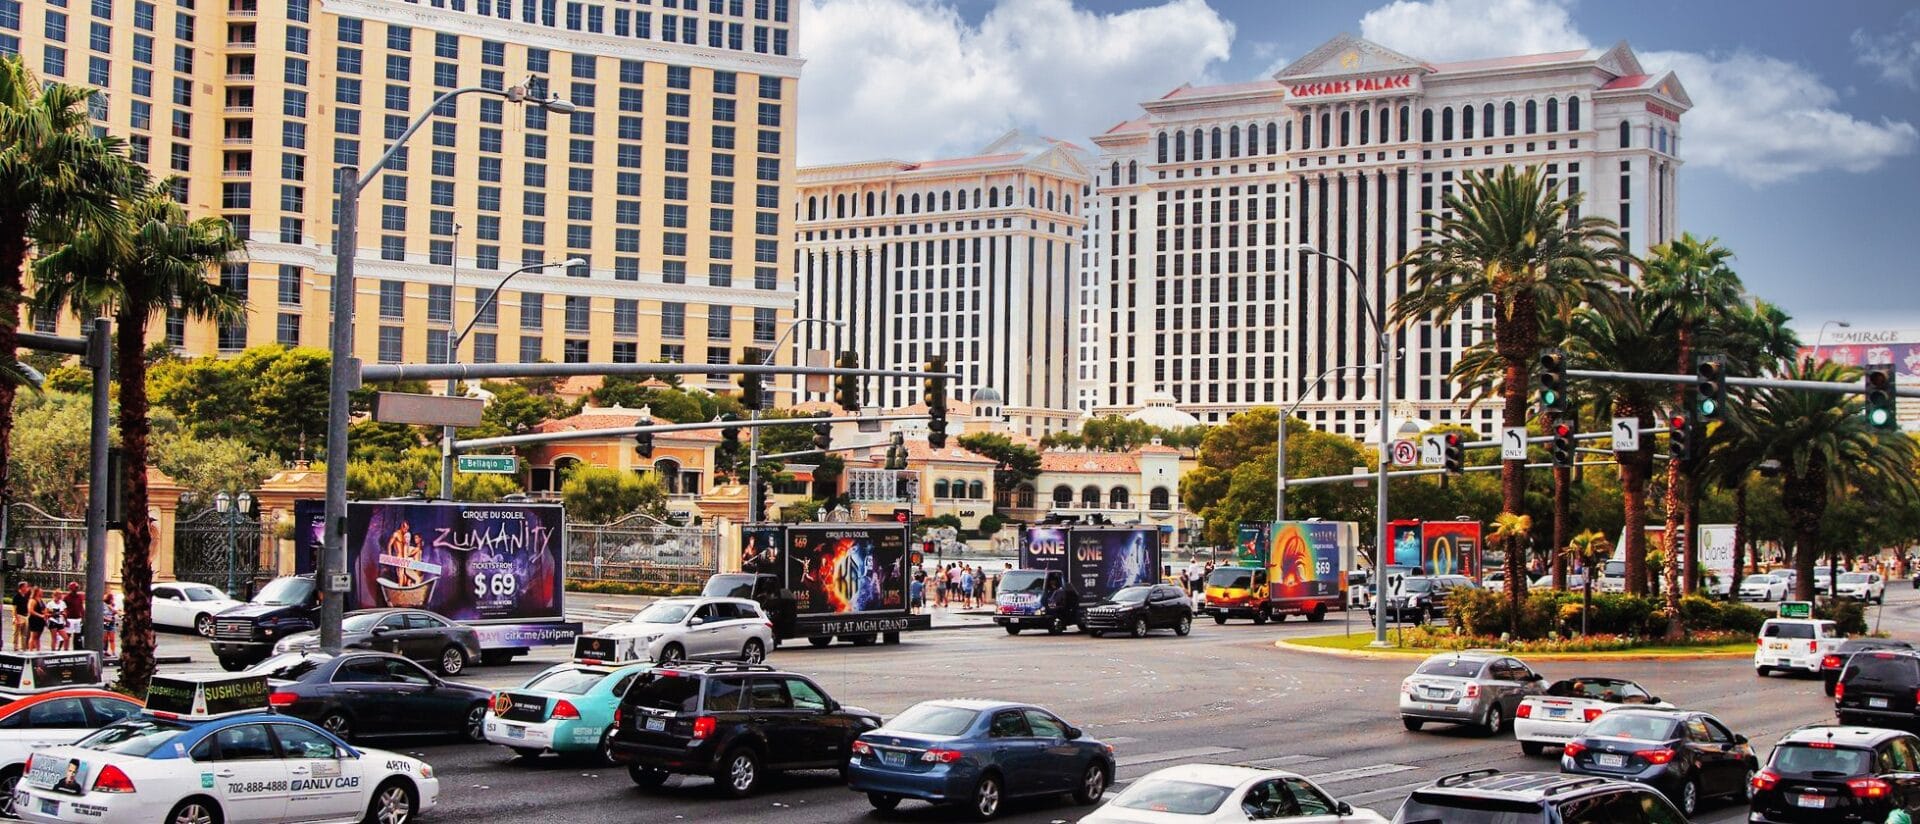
(1896, 53)
(1759, 118)
(911, 79)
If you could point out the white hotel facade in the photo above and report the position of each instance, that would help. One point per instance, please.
(1204, 197)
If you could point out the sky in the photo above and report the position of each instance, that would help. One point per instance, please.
(1802, 152)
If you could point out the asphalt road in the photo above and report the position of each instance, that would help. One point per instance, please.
(1223, 694)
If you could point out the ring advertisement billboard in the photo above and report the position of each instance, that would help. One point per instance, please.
(847, 570)
(1451, 547)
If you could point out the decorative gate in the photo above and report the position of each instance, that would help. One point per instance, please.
(222, 550)
(55, 547)
(639, 549)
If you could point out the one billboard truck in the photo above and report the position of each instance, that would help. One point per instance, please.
(1303, 572)
(499, 568)
(1093, 562)
(826, 581)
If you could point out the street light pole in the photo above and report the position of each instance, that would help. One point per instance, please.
(454, 339)
(344, 374)
(753, 433)
(1280, 475)
(1818, 340)
(1380, 503)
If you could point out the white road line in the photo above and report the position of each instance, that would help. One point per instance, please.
(1286, 760)
(1357, 773)
(1170, 755)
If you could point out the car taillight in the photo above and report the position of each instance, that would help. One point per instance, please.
(939, 756)
(1523, 711)
(1573, 749)
(1592, 713)
(564, 711)
(1830, 662)
(619, 715)
(1813, 646)
(1766, 779)
(703, 726)
(1869, 787)
(1660, 756)
(1406, 687)
(112, 780)
(862, 748)
(282, 699)
(1473, 690)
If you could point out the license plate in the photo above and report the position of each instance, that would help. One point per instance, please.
(1434, 693)
(516, 732)
(1609, 760)
(1782, 662)
(656, 724)
(1559, 713)
(49, 806)
(893, 759)
(1811, 801)
(1877, 703)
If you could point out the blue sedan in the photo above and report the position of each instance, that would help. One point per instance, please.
(978, 754)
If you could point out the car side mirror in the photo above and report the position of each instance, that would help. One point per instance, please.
(694, 622)
(832, 705)
(1074, 733)
(1343, 809)
(1739, 739)
(379, 630)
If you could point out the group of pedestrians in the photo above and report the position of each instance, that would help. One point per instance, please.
(956, 585)
(38, 614)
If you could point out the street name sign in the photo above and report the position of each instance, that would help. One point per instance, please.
(487, 464)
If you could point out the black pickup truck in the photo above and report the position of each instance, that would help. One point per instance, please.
(245, 635)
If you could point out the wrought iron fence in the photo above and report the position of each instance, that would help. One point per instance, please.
(55, 547)
(641, 550)
(222, 550)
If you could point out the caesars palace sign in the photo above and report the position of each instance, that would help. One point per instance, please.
(1356, 85)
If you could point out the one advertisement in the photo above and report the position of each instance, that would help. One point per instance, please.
(1307, 559)
(1406, 544)
(1250, 545)
(845, 570)
(1044, 548)
(1108, 560)
(760, 549)
(1450, 547)
(469, 562)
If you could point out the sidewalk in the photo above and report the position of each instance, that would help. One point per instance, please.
(593, 607)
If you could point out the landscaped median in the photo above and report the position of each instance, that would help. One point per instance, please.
(1419, 642)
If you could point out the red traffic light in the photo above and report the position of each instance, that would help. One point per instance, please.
(1678, 422)
(902, 515)
(1453, 439)
(1562, 431)
(1877, 379)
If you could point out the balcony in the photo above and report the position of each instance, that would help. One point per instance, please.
(237, 141)
(247, 109)
(238, 12)
(242, 45)
(239, 77)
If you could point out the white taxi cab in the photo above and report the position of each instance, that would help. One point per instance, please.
(52, 698)
(1794, 644)
(206, 750)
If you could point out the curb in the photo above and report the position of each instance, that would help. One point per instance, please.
(1397, 652)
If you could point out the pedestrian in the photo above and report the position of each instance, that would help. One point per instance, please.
(57, 620)
(20, 595)
(953, 584)
(36, 618)
(918, 591)
(76, 611)
(109, 624)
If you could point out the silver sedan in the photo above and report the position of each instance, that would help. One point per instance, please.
(1474, 687)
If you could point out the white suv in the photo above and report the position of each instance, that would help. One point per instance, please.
(1863, 586)
(1794, 644)
(679, 629)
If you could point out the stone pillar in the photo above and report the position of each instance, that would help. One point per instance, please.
(275, 499)
(163, 508)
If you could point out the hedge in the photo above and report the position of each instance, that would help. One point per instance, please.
(1558, 613)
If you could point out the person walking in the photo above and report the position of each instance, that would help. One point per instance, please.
(57, 620)
(36, 618)
(76, 614)
(109, 625)
(20, 595)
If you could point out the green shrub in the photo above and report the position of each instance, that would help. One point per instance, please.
(1702, 614)
(1849, 616)
(633, 588)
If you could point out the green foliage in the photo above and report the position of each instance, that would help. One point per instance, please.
(70, 378)
(670, 404)
(1445, 638)
(989, 524)
(801, 512)
(1479, 612)
(632, 588)
(601, 495)
(1234, 481)
(273, 398)
(47, 466)
(1699, 613)
(1017, 463)
(207, 466)
(1849, 616)
(1117, 434)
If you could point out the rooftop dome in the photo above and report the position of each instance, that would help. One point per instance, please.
(987, 396)
(1159, 411)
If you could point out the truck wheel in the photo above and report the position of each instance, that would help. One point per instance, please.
(495, 658)
(647, 778)
(863, 640)
(1220, 618)
(1318, 614)
(1532, 747)
(232, 664)
(1097, 633)
(1261, 616)
(890, 637)
(1057, 626)
(820, 640)
(1013, 630)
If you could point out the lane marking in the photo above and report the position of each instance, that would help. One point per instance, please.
(1170, 755)
(1286, 760)
(1357, 773)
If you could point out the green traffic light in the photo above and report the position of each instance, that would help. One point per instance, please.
(1878, 417)
(1708, 407)
(1550, 397)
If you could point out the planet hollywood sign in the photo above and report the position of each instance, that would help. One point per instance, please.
(1356, 85)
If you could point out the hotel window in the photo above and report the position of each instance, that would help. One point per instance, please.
(579, 313)
(626, 352)
(764, 323)
(289, 286)
(486, 347)
(287, 330)
(532, 308)
(626, 316)
(439, 302)
(530, 349)
(390, 348)
(719, 322)
(673, 320)
(574, 351)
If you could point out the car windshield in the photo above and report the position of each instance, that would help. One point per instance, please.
(1854, 578)
(1615, 569)
(362, 622)
(1443, 808)
(1179, 797)
(204, 594)
(570, 681)
(281, 592)
(1820, 762)
(289, 666)
(1451, 667)
(1762, 580)
(1023, 583)
(1772, 630)
(1231, 578)
(662, 691)
(664, 612)
(137, 736)
(1641, 727)
(1131, 595)
(933, 719)
(1416, 585)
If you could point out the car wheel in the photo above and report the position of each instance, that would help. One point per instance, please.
(1220, 618)
(754, 652)
(1762, 671)
(339, 724)
(1532, 747)
(476, 729)
(986, 798)
(1261, 616)
(528, 753)
(194, 811)
(1140, 627)
(393, 803)
(1496, 720)
(1057, 626)
(9, 779)
(884, 802)
(203, 624)
(672, 653)
(453, 661)
(1689, 800)
(1012, 630)
(1746, 787)
(232, 664)
(647, 778)
(1412, 724)
(1093, 784)
(1185, 626)
(739, 773)
(1097, 633)
(821, 641)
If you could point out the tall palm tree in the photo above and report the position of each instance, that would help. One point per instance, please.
(1825, 447)
(54, 173)
(1508, 235)
(153, 259)
(1592, 549)
(1511, 531)
(1756, 340)
(1689, 276)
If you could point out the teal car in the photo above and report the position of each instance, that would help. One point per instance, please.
(566, 709)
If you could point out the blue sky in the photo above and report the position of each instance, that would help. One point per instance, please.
(1803, 155)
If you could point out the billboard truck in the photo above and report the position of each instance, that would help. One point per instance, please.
(1303, 572)
(1092, 561)
(499, 568)
(826, 581)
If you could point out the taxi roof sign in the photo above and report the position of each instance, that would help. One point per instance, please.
(23, 673)
(607, 649)
(1796, 609)
(203, 697)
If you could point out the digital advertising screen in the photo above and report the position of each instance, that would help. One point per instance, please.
(1114, 559)
(1045, 548)
(843, 570)
(468, 562)
(1451, 547)
(1307, 559)
(760, 549)
(1250, 544)
(1406, 544)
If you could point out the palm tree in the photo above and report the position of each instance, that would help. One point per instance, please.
(1592, 549)
(1825, 447)
(1508, 236)
(1756, 340)
(151, 260)
(54, 173)
(1510, 531)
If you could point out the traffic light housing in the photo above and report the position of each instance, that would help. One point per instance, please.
(897, 452)
(1686, 441)
(1553, 382)
(753, 393)
(1710, 393)
(729, 452)
(1882, 411)
(1563, 444)
(936, 398)
(764, 495)
(1455, 454)
(823, 436)
(643, 441)
(846, 388)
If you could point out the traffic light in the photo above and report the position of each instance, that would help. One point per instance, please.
(753, 394)
(846, 388)
(936, 398)
(823, 436)
(1455, 454)
(729, 452)
(897, 452)
(1881, 408)
(1563, 445)
(643, 441)
(1710, 392)
(1553, 382)
(1684, 442)
(763, 493)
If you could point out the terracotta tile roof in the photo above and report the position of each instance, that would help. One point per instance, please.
(1509, 62)
(1631, 81)
(1134, 125)
(1156, 449)
(615, 417)
(1096, 462)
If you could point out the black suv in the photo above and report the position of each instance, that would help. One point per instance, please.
(734, 722)
(1135, 610)
(1879, 689)
(1494, 797)
(1838, 775)
(1422, 598)
(1832, 664)
(245, 635)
